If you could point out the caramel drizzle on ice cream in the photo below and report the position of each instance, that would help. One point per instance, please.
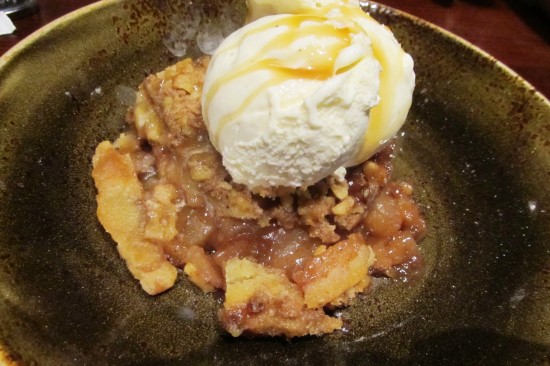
(317, 62)
(314, 62)
(391, 61)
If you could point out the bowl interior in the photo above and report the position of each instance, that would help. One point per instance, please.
(476, 148)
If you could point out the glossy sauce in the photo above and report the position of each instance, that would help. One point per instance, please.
(313, 62)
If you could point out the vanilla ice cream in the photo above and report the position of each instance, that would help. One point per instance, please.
(291, 98)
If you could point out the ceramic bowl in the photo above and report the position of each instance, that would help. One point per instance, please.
(476, 147)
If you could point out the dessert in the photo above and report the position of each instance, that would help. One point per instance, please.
(286, 245)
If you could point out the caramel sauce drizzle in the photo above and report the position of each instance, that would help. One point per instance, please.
(390, 73)
(314, 62)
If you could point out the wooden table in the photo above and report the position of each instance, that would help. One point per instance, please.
(517, 35)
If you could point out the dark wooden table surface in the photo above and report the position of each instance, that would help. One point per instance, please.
(513, 32)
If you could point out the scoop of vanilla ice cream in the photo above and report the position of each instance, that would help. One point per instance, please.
(289, 99)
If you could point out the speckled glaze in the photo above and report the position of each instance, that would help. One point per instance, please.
(476, 147)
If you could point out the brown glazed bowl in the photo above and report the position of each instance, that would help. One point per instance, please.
(476, 147)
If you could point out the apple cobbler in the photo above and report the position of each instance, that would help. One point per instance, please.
(282, 256)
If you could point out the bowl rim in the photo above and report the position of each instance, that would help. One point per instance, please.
(28, 41)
